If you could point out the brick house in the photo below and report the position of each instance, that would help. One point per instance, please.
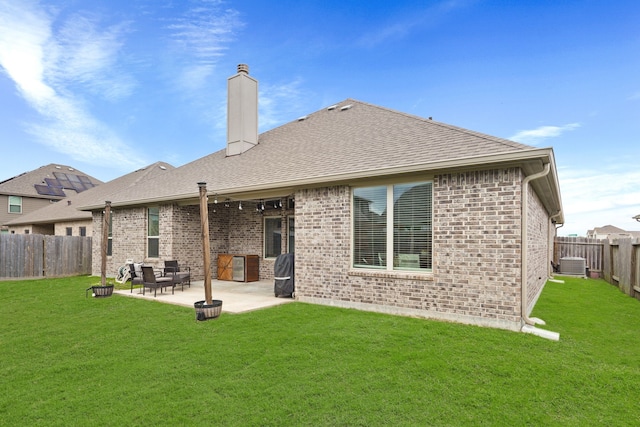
(384, 211)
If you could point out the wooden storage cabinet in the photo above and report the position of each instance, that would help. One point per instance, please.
(247, 267)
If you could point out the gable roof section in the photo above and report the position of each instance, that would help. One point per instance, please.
(67, 209)
(351, 141)
(608, 229)
(24, 184)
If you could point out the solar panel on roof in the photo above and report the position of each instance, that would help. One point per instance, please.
(86, 181)
(70, 181)
(52, 182)
(64, 181)
(47, 190)
(78, 186)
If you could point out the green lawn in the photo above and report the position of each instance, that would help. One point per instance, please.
(69, 360)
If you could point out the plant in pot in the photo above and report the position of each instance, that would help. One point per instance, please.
(104, 289)
(209, 308)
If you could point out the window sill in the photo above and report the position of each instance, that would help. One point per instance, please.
(393, 274)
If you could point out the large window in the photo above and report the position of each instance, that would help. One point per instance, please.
(153, 232)
(392, 226)
(15, 204)
(272, 237)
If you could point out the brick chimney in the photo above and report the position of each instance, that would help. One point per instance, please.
(242, 112)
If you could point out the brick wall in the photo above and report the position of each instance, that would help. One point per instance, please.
(231, 230)
(476, 262)
(323, 246)
(129, 233)
(476, 248)
(539, 245)
(477, 240)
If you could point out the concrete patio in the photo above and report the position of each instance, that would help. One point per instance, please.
(237, 297)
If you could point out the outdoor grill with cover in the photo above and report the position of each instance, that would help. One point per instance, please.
(284, 272)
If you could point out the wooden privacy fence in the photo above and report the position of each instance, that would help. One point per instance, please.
(36, 255)
(622, 265)
(592, 250)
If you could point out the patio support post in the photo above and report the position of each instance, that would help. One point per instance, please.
(204, 222)
(105, 237)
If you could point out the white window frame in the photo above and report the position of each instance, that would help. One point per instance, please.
(17, 201)
(389, 266)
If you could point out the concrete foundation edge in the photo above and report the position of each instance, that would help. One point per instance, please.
(412, 312)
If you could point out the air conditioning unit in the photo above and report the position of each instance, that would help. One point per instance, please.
(575, 266)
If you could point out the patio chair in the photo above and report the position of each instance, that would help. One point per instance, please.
(149, 280)
(136, 279)
(180, 276)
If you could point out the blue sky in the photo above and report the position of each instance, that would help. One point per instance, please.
(108, 86)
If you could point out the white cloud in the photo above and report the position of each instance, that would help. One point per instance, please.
(22, 36)
(280, 103)
(86, 55)
(594, 199)
(403, 27)
(536, 136)
(35, 59)
(200, 36)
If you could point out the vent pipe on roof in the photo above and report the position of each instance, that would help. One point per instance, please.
(242, 112)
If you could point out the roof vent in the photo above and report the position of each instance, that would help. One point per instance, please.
(302, 118)
(164, 168)
(332, 107)
(346, 107)
(243, 68)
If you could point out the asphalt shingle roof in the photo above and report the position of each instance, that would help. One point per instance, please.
(362, 139)
(67, 209)
(23, 184)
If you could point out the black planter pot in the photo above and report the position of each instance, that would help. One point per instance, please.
(206, 311)
(100, 291)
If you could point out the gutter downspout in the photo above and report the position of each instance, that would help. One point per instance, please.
(529, 324)
(555, 234)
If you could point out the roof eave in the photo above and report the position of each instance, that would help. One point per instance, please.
(530, 161)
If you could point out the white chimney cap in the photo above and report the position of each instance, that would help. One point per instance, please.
(243, 68)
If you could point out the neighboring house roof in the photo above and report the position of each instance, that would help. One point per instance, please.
(612, 232)
(607, 229)
(349, 141)
(52, 181)
(67, 209)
